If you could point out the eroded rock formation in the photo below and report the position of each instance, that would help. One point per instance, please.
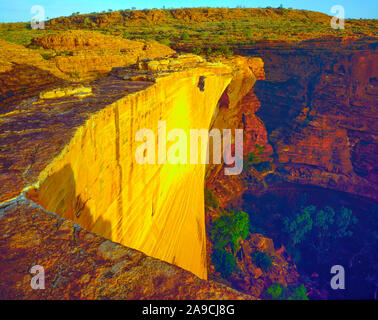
(88, 54)
(147, 207)
(319, 105)
(71, 149)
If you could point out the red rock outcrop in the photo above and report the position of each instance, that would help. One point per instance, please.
(254, 280)
(88, 54)
(319, 105)
(237, 110)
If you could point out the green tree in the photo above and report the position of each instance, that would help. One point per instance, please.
(275, 291)
(297, 293)
(317, 231)
(298, 226)
(229, 230)
(185, 36)
(211, 199)
(224, 262)
(262, 260)
(86, 21)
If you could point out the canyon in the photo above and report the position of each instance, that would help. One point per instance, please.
(75, 200)
(70, 150)
(312, 119)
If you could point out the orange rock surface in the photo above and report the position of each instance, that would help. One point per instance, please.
(82, 265)
(87, 53)
(147, 207)
(72, 148)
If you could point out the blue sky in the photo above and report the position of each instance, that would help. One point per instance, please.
(19, 10)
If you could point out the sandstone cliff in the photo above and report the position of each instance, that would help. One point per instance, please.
(147, 207)
(69, 147)
(88, 54)
(72, 149)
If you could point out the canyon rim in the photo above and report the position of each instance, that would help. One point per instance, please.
(193, 153)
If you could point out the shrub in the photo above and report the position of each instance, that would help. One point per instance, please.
(33, 46)
(196, 50)
(229, 230)
(325, 224)
(275, 291)
(298, 226)
(253, 158)
(211, 199)
(297, 293)
(165, 41)
(263, 166)
(248, 34)
(278, 292)
(262, 260)
(225, 50)
(224, 262)
(86, 21)
(185, 36)
(45, 56)
(316, 232)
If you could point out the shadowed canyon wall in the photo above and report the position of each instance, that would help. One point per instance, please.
(318, 104)
(311, 126)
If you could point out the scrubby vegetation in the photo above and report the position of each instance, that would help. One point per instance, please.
(211, 199)
(263, 166)
(205, 28)
(229, 229)
(224, 262)
(319, 229)
(226, 235)
(253, 160)
(278, 292)
(262, 260)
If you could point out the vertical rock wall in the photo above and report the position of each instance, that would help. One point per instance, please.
(158, 209)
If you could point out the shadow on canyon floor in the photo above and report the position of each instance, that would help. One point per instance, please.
(324, 244)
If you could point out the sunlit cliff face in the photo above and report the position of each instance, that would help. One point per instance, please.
(156, 208)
